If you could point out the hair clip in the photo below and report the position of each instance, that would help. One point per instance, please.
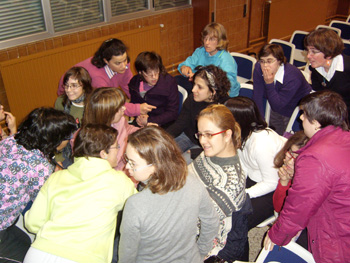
(210, 77)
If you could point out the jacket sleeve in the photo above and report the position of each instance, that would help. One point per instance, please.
(130, 233)
(183, 120)
(309, 190)
(132, 109)
(191, 61)
(39, 213)
(229, 65)
(126, 77)
(279, 196)
(258, 88)
(209, 224)
(172, 109)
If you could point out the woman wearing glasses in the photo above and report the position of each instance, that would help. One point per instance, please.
(330, 69)
(77, 87)
(109, 67)
(211, 86)
(160, 223)
(219, 169)
(282, 84)
(74, 216)
(154, 86)
(212, 52)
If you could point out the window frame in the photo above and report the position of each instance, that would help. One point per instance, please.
(108, 19)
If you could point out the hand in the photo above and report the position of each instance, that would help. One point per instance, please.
(268, 75)
(142, 120)
(11, 122)
(145, 108)
(268, 244)
(285, 174)
(187, 71)
(152, 124)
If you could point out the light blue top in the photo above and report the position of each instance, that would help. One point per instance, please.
(221, 59)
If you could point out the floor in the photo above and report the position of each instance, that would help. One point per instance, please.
(256, 236)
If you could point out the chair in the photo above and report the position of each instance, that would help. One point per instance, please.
(246, 90)
(182, 96)
(288, 48)
(337, 30)
(346, 50)
(295, 123)
(297, 39)
(245, 66)
(290, 253)
(343, 26)
(348, 19)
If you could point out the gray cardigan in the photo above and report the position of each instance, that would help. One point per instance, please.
(163, 228)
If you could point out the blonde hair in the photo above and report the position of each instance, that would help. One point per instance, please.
(223, 118)
(216, 30)
(102, 105)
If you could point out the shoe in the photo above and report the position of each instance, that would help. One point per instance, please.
(214, 259)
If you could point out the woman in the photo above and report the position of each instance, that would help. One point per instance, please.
(281, 83)
(329, 68)
(153, 85)
(219, 169)
(160, 223)
(106, 106)
(259, 145)
(212, 52)
(211, 85)
(77, 87)
(25, 164)
(109, 67)
(74, 216)
(319, 198)
(10, 122)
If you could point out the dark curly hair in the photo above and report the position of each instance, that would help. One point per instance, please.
(247, 115)
(92, 139)
(108, 49)
(216, 79)
(45, 129)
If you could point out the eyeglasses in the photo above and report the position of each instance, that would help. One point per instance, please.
(132, 166)
(292, 154)
(210, 39)
(115, 147)
(268, 61)
(151, 74)
(198, 135)
(73, 86)
(313, 51)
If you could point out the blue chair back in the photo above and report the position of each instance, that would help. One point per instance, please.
(346, 50)
(288, 48)
(246, 90)
(244, 67)
(344, 27)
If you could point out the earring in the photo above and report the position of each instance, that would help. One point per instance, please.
(328, 63)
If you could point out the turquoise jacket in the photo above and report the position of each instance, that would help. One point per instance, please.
(221, 59)
(74, 215)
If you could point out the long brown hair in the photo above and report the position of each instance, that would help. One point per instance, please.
(157, 147)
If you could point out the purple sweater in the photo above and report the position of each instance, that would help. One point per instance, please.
(283, 98)
(100, 79)
(164, 95)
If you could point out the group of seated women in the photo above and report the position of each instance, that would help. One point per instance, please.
(191, 185)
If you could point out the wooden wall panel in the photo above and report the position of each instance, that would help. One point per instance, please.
(32, 81)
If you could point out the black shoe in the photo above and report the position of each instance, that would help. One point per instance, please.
(214, 259)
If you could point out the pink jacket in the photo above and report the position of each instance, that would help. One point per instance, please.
(100, 79)
(319, 197)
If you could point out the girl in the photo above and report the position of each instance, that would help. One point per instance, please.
(259, 146)
(106, 106)
(281, 83)
(219, 169)
(211, 85)
(109, 67)
(77, 87)
(212, 52)
(74, 215)
(153, 85)
(160, 223)
(25, 164)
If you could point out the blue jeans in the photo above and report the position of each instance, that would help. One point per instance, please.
(185, 144)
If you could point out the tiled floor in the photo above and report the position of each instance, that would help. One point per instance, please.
(256, 236)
